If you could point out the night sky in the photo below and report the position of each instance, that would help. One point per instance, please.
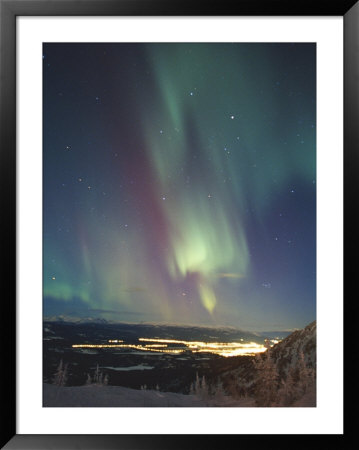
(180, 183)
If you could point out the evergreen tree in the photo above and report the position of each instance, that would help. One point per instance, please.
(200, 388)
(98, 378)
(197, 385)
(305, 374)
(97, 375)
(204, 388)
(267, 381)
(60, 377)
(288, 391)
(219, 395)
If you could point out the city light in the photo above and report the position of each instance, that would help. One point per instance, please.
(226, 349)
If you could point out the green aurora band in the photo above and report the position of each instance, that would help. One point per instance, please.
(213, 149)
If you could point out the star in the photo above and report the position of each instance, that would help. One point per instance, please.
(232, 117)
(53, 278)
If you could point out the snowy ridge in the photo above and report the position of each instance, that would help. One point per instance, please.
(291, 361)
(286, 353)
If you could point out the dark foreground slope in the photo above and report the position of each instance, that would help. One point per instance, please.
(288, 369)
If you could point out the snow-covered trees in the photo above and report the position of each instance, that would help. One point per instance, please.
(272, 391)
(60, 377)
(297, 382)
(98, 378)
(288, 391)
(199, 388)
(305, 374)
(204, 393)
(88, 380)
(267, 380)
(219, 396)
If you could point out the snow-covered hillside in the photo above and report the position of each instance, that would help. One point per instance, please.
(292, 367)
(287, 352)
(117, 396)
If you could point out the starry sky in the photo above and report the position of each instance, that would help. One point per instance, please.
(179, 183)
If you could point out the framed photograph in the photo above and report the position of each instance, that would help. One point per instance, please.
(176, 180)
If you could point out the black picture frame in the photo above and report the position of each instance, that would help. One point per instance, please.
(9, 10)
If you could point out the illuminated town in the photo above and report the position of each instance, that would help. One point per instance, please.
(174, 346)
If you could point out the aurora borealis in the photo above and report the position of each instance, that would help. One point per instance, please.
(180, 183)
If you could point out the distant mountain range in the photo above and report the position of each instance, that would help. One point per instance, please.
(199, 331)
(74, 320)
